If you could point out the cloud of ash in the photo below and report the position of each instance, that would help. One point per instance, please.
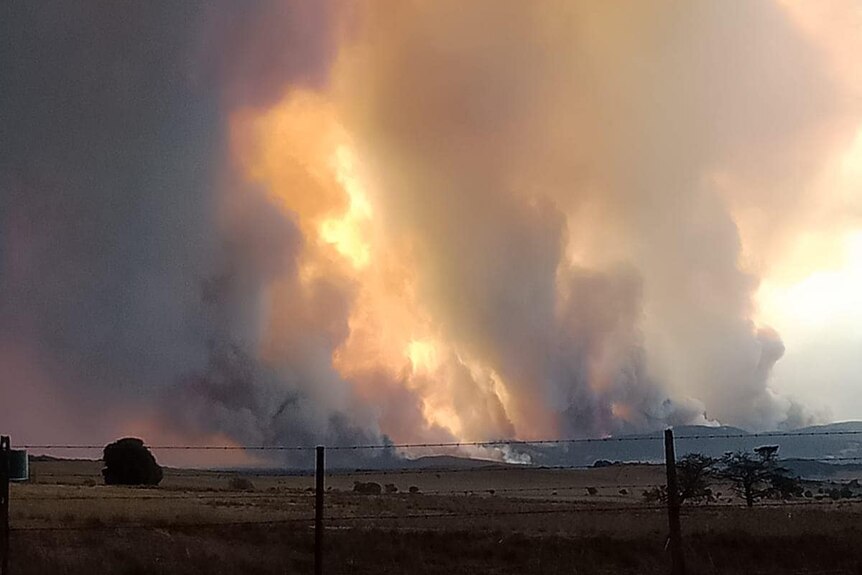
(559, 168)
(292, 222)
(125, 284)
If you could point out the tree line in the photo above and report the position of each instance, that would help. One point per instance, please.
(751, 476)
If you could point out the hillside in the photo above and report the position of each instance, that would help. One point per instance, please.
(714, 441)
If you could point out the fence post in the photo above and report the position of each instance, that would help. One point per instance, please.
(318, 512)
(5, 448)
(676, 557)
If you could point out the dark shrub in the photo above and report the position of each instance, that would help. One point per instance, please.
(413, 489)
(241, 484)
(391, 488)
(592, 490)
(370, 488)
(129, 462)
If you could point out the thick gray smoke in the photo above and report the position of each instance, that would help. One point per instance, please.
(563, 171)
(532, 151)
(125, 293)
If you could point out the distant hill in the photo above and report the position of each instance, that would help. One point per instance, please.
(450, 462)
(714, 441)
(52, 459)
(830, 447)
(815, 456)
(819, 470)
(855, 426)
(649, 448)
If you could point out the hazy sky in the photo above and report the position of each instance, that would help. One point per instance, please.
(812, 294)
(285, 221)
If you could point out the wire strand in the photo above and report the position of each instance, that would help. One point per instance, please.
(488, 443)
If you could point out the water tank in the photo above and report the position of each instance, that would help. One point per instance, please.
(19, 465)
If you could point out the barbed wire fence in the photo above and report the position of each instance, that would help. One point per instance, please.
(563, 498)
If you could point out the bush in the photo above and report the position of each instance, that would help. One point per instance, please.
(413, 489)
(657, 494)
(369, 488)
(391, 488)
(592, 490)
(129, 462)
(241, 484)
(840, 493)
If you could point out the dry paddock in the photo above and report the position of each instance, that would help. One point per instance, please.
(539, 522)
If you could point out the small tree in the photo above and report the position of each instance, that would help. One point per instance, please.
(758, 476)
(369, 488)
(129, 462)
(694, 475)
(241, 484)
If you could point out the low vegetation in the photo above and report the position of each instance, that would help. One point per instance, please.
(537, 521)
(367, 488)
(241, 484)
(759, 476)
(751, 476)
(129, 462)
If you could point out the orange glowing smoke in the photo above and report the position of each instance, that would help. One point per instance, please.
(604, 277)
(306, 161)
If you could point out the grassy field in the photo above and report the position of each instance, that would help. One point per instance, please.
(487, 520)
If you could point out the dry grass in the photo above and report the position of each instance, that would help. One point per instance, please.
(535, 522)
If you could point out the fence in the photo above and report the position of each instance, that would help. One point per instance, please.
(478, 495)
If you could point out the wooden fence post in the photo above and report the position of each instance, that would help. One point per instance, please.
(5, 448)
(318, 512)
(676, 557)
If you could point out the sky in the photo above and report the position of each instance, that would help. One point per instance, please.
(297, 222)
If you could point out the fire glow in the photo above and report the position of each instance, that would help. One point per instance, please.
(318, 171)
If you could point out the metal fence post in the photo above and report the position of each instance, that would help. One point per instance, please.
(5, 448)
(318, 512)
(676, 557)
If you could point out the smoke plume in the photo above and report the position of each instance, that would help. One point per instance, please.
(288, 222)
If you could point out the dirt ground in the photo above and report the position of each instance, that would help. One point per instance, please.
(467, 521)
